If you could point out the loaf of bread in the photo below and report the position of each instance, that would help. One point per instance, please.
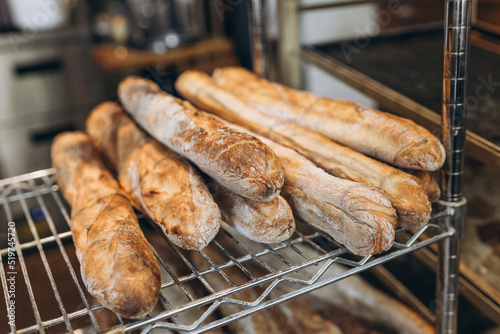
(395, 140)
(355, 214)
(117, 265)
(428, 182)
(407, 196)
(266, 222)
(159, 182)
(236, 160)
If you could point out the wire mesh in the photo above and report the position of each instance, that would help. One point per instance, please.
(232, 273)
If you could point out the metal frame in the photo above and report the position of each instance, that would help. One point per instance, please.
(257, 22)
(40, 187)
(453, 122)
(266, 267)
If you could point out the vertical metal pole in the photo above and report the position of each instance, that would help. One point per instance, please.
(456, 47)
(289, 44)
(258, 41)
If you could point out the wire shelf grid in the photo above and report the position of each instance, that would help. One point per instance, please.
(53, 297)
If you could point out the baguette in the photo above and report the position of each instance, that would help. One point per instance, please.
(236, 160)
(355, 214)
(117, 265)
(392, 139)
(407, 196)
(160, 183)
(266, 222)
(428, 182)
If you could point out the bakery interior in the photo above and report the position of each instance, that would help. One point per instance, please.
(59, 59)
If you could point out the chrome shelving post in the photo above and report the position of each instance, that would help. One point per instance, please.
(258, 42)
(289, 44)
(453, 121)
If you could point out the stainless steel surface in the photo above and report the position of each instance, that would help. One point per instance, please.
(5, 24)
(457, 33)
(47, 72)
(289, 44)
(40, 189)
(448, 272)
(453, 122)
(47, 84)
(190, 16)
(258, 37)
(163, 24)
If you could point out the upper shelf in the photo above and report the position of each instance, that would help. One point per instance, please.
(205, 55)
(404, 74)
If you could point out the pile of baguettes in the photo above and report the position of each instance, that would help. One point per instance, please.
(313, 150)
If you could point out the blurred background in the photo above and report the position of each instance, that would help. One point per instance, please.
(60, 58)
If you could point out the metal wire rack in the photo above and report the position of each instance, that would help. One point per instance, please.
(50, 296)
(457, 26)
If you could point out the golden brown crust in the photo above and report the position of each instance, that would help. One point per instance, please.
(407, 196)
(236, 160)
(117, 265)
(355, 214)
(428, 182)
(387, 137)
(160, 183)
(266, 222)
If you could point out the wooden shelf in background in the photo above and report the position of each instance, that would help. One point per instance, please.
(203, 55)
